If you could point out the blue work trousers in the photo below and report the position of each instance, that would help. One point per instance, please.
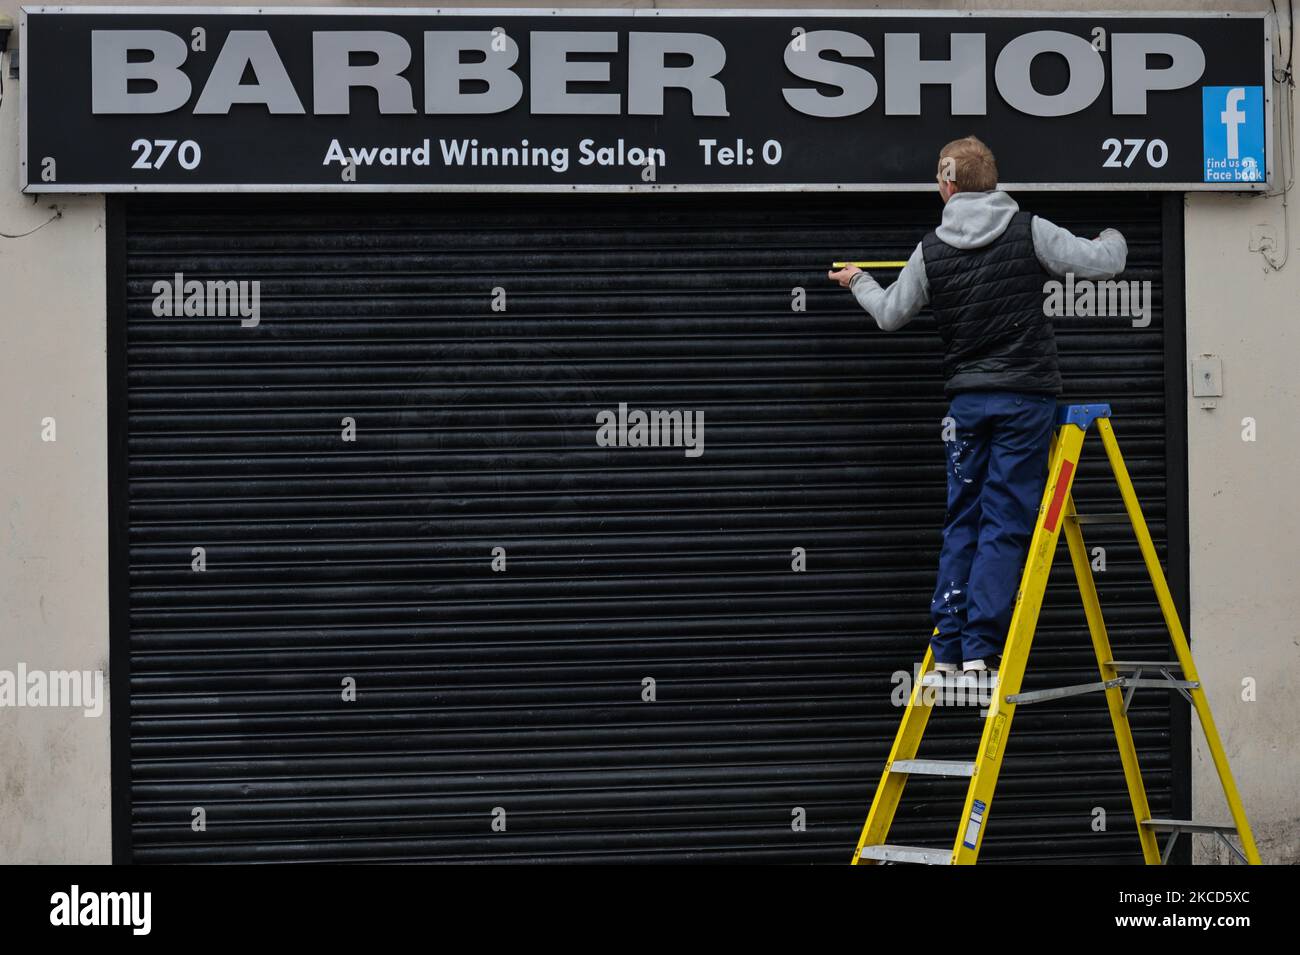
(997, 466)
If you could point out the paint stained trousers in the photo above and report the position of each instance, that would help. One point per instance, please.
(997, 462)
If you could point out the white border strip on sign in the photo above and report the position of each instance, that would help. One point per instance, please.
(560, 188)
(903, 13)
(605, 187)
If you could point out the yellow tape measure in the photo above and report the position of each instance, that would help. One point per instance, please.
(870, 265)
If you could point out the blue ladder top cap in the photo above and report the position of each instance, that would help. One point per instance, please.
(1081, 415)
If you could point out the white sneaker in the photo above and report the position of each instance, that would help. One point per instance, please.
(942, 675)
(973, 671)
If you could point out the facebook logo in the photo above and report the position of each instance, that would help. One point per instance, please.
(1234, 133)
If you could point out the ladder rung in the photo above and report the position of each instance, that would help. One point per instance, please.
(932, 767)
(1100, 519)
(1186, 825)
(917, 854)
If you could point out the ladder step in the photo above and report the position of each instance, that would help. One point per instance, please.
(916, 854)
(1186, 825)
(932, 767)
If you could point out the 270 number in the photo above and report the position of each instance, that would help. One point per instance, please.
(188, 154)
(1157, 152)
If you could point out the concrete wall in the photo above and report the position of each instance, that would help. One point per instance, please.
(1245, 524)
(54, 779)
(1244, 519)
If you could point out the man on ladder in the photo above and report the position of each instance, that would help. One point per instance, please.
(982, 272)
(1009, 500)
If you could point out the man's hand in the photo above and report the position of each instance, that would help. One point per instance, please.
(844, 276)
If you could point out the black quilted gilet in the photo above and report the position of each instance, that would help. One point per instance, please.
(988, 303)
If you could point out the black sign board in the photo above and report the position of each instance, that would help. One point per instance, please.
(169, 99)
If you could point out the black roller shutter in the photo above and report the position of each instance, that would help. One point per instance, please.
(475, 429)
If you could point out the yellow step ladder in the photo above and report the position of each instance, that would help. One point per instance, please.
(1119, 680)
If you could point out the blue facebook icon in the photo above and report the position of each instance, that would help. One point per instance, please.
(1234, 133)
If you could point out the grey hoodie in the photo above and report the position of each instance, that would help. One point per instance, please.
(974, 219)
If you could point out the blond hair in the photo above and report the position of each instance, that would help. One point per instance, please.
(969, 164)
